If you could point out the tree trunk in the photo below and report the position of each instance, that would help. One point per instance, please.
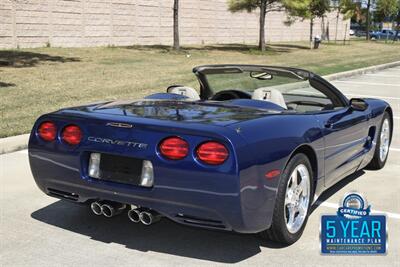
(311, 32)
(368, 18)
(396, 36)
(327, 32)
(261, 38)
(337, 24)
(176, 25)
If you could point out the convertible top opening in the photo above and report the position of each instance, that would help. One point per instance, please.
(288, 88)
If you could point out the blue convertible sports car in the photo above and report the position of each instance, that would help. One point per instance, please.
(249, 153)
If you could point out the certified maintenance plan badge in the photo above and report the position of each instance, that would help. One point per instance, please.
(353, 230)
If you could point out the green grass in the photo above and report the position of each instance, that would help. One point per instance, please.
(37, 81)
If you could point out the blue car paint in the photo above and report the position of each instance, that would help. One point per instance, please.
(233, 196)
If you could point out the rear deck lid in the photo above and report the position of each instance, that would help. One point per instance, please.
(218, 113)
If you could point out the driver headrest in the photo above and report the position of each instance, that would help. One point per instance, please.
(269, 94)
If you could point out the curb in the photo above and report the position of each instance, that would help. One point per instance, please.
(19, 142)
(361, 71)
(13, 143)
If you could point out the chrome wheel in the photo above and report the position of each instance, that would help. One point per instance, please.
(297, 198)
(384, 140)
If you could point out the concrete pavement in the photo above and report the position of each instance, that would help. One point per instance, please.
(40, 230)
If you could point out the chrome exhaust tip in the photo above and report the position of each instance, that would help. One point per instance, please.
(96, 208)
(110, 209)
(134, 215)
(149, 217)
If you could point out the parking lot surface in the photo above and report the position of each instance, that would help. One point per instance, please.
(40, 230)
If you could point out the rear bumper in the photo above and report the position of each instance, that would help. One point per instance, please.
(238, 207)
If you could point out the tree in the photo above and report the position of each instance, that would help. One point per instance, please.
(176, 25)
(387, 9)
(347, 8)
(368, 16)
(314, 9)
(265, 6)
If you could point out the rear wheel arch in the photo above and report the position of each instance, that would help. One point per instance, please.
(312, 157)
(279, 230)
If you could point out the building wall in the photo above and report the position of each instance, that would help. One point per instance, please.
(77, 23)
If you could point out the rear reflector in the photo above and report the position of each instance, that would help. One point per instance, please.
(212, 153)
(72, 135)
(47, 131)
(174, 148)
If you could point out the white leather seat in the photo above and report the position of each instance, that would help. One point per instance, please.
(269, 94)
(184, 90)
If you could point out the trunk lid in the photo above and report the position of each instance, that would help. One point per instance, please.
(196, 112)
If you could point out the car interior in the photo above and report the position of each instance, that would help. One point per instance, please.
(287, 90)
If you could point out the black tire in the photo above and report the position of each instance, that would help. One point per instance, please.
(278, 231)
(376, 163)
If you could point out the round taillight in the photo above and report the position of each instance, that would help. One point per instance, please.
(48, 131)
(212, 153)
(174, 148)
(72, 135)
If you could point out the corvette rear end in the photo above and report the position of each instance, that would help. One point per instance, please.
(186, 166)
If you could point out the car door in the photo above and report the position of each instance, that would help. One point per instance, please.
(345, 132)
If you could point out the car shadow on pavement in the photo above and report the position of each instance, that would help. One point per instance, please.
(164, 237)
(335, 188)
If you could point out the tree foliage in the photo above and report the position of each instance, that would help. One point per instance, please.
(251, 5)
(240, 5)
(347, 8)
(387, 8)
(310, 9)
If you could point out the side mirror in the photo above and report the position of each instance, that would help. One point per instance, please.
(358, 104)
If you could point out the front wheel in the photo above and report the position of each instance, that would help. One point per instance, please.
(293, 201)
(382, 144)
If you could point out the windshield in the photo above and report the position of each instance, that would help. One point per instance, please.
(291, 89)
(249, 81)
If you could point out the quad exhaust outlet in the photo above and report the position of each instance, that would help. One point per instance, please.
(135, 214)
